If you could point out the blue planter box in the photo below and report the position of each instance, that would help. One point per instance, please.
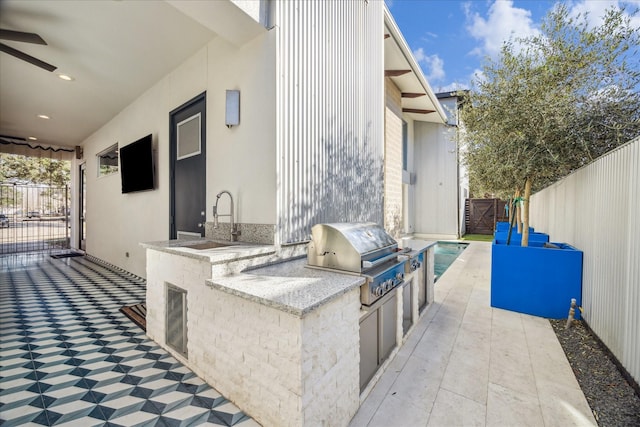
(536, 280)
(516, 238)
(504, 226)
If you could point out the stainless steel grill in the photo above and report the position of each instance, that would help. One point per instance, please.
(359, 248)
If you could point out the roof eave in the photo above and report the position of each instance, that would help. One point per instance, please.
(401, 43)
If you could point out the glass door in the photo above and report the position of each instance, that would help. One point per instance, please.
(82, 223)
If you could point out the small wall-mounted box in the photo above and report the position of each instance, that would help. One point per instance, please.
(232, 110)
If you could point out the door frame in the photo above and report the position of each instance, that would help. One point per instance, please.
(82, 203)
(173, 232)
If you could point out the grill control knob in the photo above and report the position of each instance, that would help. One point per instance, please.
(399, 277)
(378, 291)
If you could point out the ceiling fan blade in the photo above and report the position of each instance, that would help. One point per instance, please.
(30, 59)
(20, 36)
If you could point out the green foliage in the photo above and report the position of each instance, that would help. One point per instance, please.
(477, 238)
(34, 170)
(554, 102)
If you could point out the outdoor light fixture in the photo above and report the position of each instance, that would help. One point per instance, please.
(232, 114)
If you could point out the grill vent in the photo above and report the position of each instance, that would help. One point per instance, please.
(176, 319)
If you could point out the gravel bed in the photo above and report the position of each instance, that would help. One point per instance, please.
(612, 399)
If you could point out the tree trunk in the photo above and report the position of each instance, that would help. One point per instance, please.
(527, 195)
(518, 211)
(511, 210)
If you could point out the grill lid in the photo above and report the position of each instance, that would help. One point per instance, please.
(345, 246)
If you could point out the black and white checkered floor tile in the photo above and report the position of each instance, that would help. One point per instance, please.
(68, 357)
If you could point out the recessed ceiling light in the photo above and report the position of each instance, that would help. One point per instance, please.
(66, 77)
(32, 138)
(44, 116)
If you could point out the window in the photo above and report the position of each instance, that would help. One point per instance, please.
(108, 161)
(189, 143)
(405, 146)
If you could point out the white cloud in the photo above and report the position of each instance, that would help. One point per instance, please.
(433, 63)
(595, 10)
(477, 76)
(428, 35)
(436, 65)
(452, 87)
(419, 54)
(503, 22)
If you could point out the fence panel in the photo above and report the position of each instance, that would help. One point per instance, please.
(33, 218)
(596, 209)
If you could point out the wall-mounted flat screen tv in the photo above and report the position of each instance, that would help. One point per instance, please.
(136, 165)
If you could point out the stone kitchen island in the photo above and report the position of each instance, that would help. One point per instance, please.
(279, 339)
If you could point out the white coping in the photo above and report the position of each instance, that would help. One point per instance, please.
(416, 245)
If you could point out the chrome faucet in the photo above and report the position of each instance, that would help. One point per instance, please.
(234, 227)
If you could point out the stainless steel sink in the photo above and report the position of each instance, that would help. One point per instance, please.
(207, 245)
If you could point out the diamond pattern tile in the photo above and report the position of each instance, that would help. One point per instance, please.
(68, 357)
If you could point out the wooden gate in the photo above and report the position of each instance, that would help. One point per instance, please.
(482, 215)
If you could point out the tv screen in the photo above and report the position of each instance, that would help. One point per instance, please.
(136, 165)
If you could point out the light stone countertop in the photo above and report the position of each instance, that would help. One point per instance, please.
(233, 251)
(289, 286)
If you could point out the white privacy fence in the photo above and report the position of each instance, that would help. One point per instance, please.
(597, 210)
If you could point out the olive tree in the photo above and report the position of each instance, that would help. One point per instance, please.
(551, 103)
(34, 170)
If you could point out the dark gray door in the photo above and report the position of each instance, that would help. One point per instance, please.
(188, 169)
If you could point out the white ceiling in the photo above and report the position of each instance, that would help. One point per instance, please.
(115, 50)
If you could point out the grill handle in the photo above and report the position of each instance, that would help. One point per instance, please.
(371, 264)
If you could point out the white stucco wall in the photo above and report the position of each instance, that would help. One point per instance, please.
(241, 159)
(436, 181)
(452, 110)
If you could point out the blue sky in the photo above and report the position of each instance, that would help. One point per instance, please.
(450, 38)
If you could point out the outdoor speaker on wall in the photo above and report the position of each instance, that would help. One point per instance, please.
(78, 152)
(232, 111)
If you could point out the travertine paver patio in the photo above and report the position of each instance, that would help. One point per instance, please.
(467, 364)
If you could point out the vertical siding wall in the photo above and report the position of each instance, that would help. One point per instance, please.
(330, 114)
(597, 209)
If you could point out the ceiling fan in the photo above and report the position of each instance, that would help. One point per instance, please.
(20, 36)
